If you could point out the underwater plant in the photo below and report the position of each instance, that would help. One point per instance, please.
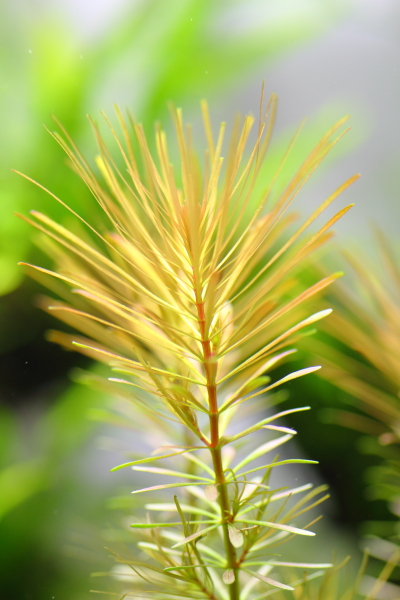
(174, 49)
(189, 290)
(366, 322)
(359, 351)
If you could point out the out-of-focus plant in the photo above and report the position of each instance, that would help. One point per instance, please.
(193, 299)
(362, 357)
(336, 586)
(40, 475)
(328, 584)
(360, 353)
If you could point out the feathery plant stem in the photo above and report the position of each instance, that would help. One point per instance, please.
(190, 293)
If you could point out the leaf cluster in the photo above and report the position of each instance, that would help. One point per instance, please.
(189, 292)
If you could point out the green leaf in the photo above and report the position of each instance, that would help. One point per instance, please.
(256, 376)
(149, 459)
(268, 580)
(258, 426)
(294, 375)
(178, 568)
(280, 429)
(181, 514)
(169, 507)
(157, 548)
(277, 496)
(277, 563)
(263, 449)
(289, 461)
(164, 487)
(279, 526)
(154, 525)
(298, 582)
(290, 492)
(169, 472)
(196, 535)
(174, 537)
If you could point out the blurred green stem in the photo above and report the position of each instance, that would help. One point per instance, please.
(223, 500)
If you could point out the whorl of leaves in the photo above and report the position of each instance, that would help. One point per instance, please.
(189, 291)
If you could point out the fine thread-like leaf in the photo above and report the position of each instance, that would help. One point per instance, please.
(278, 464)
(147, 460)
(194, 536)
(268, 580)
(164, 486)
(281, 526)
(169, 507)
(260, 424)
(170, 473)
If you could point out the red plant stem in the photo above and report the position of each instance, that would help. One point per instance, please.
(210, 366)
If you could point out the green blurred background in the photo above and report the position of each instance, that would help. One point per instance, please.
(323, 59)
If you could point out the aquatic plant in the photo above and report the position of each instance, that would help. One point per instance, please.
(359, 351)
(189, 290)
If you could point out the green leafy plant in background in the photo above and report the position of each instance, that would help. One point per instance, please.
(40, 481)
(360, 352)
(192, 299)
